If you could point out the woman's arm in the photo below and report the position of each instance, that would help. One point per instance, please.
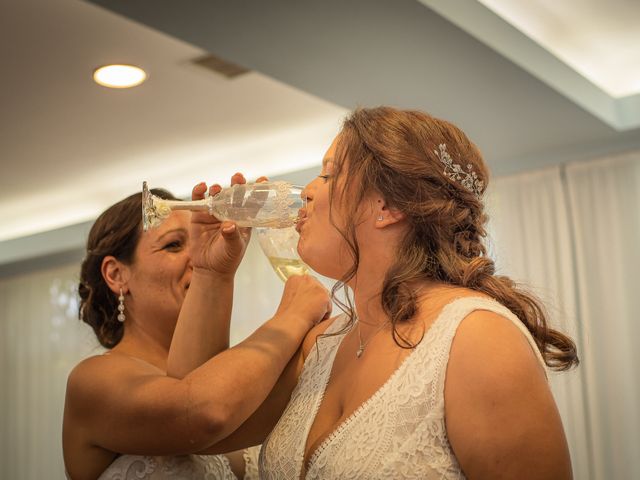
(255, 430)
(202, 330)
(145, 413)
(216, 250)
(501, 417)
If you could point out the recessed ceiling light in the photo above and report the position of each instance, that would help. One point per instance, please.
(119, 76)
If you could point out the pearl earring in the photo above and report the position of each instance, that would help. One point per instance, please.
(121, 316)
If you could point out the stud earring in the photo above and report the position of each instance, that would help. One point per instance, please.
(380, 218)
(121, 316)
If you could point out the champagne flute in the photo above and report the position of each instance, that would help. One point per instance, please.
(280, 245)
(266, 204)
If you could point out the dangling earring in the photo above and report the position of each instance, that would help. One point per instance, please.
(121, 316)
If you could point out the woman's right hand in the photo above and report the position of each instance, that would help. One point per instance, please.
(217, 247)
(305, 300)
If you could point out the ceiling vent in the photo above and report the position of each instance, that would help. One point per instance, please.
(218, 65)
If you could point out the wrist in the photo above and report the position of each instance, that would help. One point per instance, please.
(292, 324)
(205, 275)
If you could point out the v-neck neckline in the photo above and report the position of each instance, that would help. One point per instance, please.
(307, 464)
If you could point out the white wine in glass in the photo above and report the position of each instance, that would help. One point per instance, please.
(285, 267)
(280, 245)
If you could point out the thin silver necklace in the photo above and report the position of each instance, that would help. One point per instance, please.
(364, 344)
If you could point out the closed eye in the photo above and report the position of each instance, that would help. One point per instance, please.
(325, 177)
(173, 245)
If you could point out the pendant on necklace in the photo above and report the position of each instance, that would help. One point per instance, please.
(360, 351)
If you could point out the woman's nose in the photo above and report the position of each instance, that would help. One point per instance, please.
(304, 194)
(307, 191)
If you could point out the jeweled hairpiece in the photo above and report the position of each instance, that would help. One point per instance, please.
(468, 179)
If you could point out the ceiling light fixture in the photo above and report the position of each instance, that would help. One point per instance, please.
(119, 76)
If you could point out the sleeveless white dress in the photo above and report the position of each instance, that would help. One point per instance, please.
(184, 467)
(398, 433)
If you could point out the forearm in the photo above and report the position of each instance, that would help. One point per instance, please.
(237, 381)
(202, 330)
(256, 428)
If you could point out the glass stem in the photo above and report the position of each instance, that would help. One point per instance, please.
(192, 205)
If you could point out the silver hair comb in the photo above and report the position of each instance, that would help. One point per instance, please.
(468, 179)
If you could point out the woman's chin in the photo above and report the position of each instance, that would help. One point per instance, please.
(318, 262)
(322, 268)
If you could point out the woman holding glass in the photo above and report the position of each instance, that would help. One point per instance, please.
(124, 416)
(437, 370)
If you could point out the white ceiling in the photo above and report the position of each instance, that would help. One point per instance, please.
(600, 39)
(70, 148)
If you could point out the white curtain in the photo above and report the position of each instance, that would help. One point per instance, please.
(531, 242)
(256, 295)
(571, 233)
(41, 341)
(605, 200)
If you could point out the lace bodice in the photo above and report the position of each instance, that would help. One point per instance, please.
(398, 433)
(185, 467)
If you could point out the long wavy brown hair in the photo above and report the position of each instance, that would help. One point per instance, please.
(395, 153)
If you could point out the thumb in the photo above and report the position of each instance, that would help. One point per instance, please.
(231, 234)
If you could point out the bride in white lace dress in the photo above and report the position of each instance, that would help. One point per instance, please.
(441, 374)
(125, 417)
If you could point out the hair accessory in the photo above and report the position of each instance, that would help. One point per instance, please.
(454, 171)
(121, 317)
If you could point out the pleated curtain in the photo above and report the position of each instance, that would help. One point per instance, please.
(572, 234)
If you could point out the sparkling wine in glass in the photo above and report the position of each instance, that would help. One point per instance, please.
(281, 248)
(266, 204)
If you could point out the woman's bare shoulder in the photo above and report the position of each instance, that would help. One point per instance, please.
(490, 341)
(498, 403)
(91, 379)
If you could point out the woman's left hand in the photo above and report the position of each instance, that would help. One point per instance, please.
(217, 246)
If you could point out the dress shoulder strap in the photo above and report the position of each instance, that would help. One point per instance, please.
(338, 324)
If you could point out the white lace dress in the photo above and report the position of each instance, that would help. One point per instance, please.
(185, 467)
(399, 433)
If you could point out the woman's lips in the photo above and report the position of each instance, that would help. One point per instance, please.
(302, 216)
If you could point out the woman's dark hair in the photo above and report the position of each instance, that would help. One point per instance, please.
(116, 232)
(396, 153)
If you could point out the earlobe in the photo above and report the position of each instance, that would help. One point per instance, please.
(388, 216)
(115, 274)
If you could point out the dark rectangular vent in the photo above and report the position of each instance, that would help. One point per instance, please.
(218, 65)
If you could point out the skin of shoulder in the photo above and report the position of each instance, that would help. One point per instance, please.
(89, 380)
(501, 418)
(127, 396)
(86, 389)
